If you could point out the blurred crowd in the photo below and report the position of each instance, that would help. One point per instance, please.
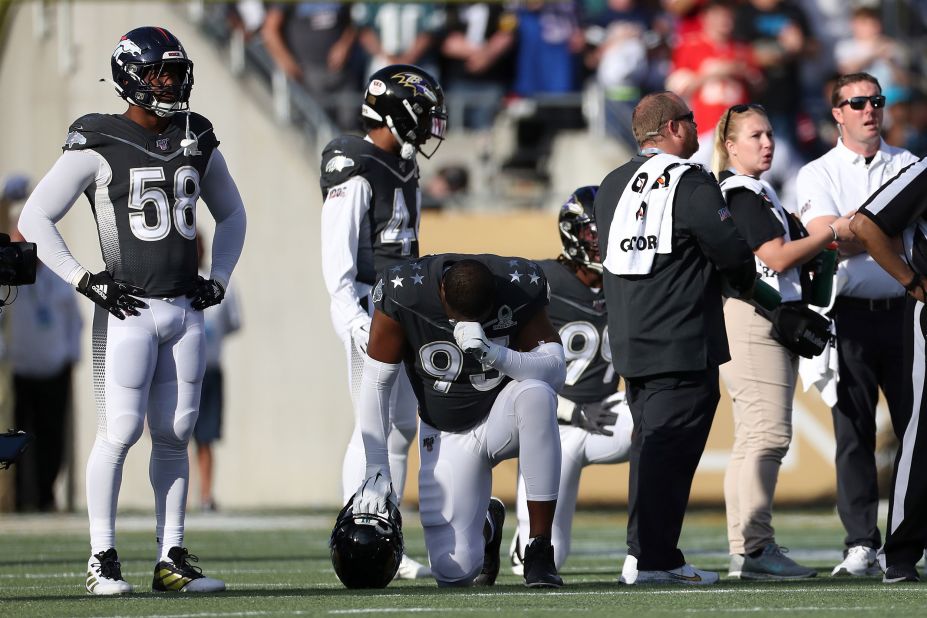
(492, 56)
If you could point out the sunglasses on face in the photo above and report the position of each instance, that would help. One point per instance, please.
(739, 109)
(859, 103)
(687, 117)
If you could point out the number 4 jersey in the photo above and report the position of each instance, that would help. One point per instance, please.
(454, 390)
(144, 197)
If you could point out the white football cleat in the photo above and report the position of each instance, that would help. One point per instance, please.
(860, 561)
(686, 575)
(412, 569)
(104, 574)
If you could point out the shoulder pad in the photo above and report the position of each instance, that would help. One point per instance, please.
(341, 159)
(520, 280)
(201, 128)
(84, 132)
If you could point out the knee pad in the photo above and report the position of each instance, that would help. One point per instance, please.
(123, 430)
(531, 397)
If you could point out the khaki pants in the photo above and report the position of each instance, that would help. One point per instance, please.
(761, 379)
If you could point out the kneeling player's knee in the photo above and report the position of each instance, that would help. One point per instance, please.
(456, 570)
(535, 401)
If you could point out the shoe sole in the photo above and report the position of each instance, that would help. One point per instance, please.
(773, 577)
(543, 585)
(873, 572)
(898, 580)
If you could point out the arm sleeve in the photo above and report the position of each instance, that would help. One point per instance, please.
(224, 203)
(545, 362)
(900, 201)
(342, 212)
(373, 412)
(51, 199)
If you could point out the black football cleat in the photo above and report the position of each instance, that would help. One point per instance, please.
(540, 569)
(495, 517)
(898, 573)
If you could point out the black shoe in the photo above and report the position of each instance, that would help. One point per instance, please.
(900, 573)
(178, 575)
(540, 570)
(496, 515)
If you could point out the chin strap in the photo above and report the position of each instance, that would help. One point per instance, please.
(190, 141)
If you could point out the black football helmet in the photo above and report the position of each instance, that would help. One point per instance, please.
(411, 103)
(140, 62)
(366, 548)
(578, 233)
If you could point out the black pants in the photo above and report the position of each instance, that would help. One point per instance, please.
(870, 352)
(41, 407)
(672, 417)
(906, 533)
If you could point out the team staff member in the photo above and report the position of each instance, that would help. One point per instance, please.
(762, 374)
(897, 210)
(668, 241)
(485, 363)
(370, 219)
(143, 172)
(868, 311)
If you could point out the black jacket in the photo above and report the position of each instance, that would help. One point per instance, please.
(672, 320)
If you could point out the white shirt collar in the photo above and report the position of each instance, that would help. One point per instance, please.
(856, 158)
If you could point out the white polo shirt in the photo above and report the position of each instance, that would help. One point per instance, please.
(841, 181)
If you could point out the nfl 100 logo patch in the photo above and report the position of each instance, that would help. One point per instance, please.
(163, 143)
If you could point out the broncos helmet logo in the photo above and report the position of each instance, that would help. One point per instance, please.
(127, 46)
(417, 84)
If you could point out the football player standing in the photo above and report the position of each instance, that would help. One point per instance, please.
(370, 220)
(143, 172)
(485, 364)
(595, 422)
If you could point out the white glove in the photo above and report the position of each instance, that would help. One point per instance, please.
(471, 339)
(360, 335)
(15, 187)
(374, 494)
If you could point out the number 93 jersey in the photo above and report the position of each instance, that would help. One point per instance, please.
(144, 197)
(389, 227)
(579, 315)
(454, 390)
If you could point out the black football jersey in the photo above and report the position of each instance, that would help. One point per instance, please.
(146, 209)
(393, 216)
(579, 315)
(454, 390)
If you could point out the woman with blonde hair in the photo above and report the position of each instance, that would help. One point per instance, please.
(762, 373)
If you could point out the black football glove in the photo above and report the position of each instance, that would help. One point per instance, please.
(208, 292)
(594, 418)
(115, 297)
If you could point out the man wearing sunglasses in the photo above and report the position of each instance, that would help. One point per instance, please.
(868, 309)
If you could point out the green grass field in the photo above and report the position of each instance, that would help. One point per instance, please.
(278, 565)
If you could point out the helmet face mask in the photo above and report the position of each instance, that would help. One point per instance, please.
(151, 70)
(366, 548)
(579, 235)
(411, 103)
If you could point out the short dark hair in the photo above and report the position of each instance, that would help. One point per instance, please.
(469, 289)
(846, 80)
(651, 114)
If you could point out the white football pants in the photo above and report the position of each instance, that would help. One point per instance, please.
(455, 479)
(150, 363)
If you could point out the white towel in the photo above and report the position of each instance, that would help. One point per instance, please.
(642, 225)
(823, 371)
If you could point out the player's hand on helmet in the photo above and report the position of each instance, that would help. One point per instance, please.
(117, 298)
(360, 334)
(472, 340)
(594, 417)
(373, 494)
(206, 293)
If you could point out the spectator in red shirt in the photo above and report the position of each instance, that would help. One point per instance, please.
(713, 72)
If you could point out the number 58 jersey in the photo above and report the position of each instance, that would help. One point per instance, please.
(144, 197)
(454, 390)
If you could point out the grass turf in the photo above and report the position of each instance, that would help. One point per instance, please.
(278, 564)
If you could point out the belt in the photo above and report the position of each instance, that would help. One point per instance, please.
(870, 304)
